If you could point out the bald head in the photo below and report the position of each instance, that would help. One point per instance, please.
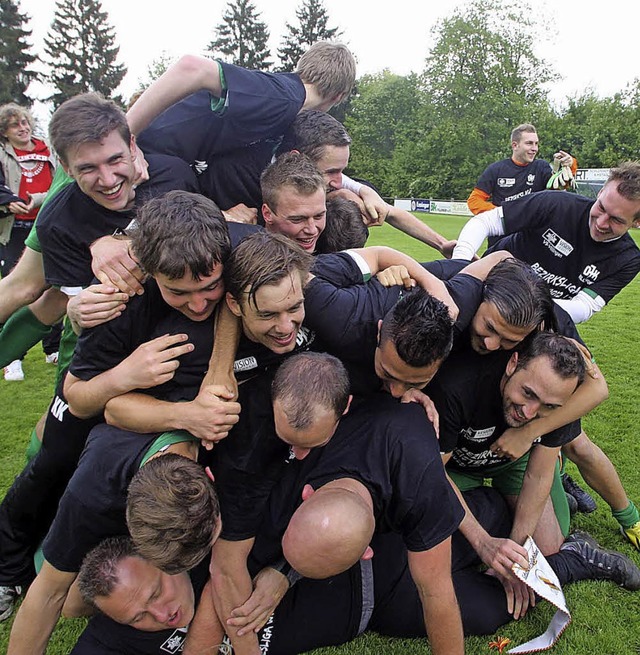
(331, 530)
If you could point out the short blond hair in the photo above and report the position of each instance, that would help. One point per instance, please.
(330, 67)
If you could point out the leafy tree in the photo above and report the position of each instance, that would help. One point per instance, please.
(313, 20)
(382, 114)
(482, 77)
(155, 69)
(81, 51)
(15, 58)
(242, 37)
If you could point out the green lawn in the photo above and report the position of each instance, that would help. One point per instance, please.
(605, 618)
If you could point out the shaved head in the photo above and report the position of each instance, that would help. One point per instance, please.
(331, 530)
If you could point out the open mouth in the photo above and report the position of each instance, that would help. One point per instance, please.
(308, 244)
(285, 340)
(113, 192)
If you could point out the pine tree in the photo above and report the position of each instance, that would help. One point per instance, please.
(313, 18)
(14, 55)
(242, 37)
(81, 51)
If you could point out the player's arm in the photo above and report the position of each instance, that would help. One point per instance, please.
(533, 495)
(24, 284)
(189, 74)
(582, 306)
(39, 611)
(431, 573)
(151, 364)
(209, 416)
(497, 553)
(478, 201)
(231, 586)
(205, 631)
(227, 330)
(406, 222)
(380, 257)
(476, 230)
(482, 267)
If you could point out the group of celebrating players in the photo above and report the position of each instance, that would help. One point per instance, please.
(270, 434)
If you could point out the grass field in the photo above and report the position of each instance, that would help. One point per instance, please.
(605, 618)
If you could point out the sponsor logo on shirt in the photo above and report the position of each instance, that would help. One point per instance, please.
(506, 182)
(531, 178)
(517, 195)
(175, 642)
(559, 285)
(200, 166)
(245, 364)
(590, 274)
(478, 435)
(556, 244)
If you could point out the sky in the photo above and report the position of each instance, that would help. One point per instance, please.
(594, 45)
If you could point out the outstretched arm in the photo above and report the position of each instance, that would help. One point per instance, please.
(231, 586)
(380, 257)
(189, 74)
(431, 572)
(477, 229)
(39, 611)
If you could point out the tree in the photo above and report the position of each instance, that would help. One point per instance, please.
(382, 115)
(242, 37)
(155, 69)
(15, 58)
(482, 77)
(81, 51)
(313, 19)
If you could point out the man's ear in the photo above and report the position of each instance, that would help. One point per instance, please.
(379, 328)
(267, 214)
(65, 168)
(307, 492)
(346, 409)
(368, 553)
(233, 305)
(512, 364)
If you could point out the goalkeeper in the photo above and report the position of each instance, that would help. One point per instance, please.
(522, 173)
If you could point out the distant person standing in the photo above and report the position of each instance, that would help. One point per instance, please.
(517, 176)
(26, 170)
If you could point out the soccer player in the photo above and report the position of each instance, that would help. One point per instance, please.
(520, 175)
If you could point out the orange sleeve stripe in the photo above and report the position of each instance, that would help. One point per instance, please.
(478, 201)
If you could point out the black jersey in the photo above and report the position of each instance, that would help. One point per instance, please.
(255, 105)
(550, 231)
(505, 180)
(466, 392)
(93, 505)
(392, 449)
(344, 312)
(71, 221)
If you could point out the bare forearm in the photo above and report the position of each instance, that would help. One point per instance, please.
(533, 495)
(205, 631)
(227, 336)
(87, 398)
(141, 413)
(230, 589)
(186, 76)
(409, 224)
(443, 623)
(34, 623)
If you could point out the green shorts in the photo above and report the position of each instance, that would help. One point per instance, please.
(507, 479)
